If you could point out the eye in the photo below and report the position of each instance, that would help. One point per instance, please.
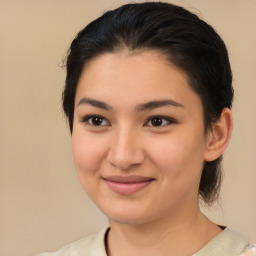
(159, 121)
(95, 120)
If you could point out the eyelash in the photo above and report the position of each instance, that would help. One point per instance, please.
(86, 120)
(167, 121)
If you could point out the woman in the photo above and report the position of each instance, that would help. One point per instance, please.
(148, 96)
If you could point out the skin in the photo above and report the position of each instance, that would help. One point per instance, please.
(117, 87)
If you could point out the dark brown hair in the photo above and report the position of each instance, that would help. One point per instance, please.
(186, 40)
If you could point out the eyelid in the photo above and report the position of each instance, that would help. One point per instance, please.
(88, 117)
(166, 118)
(168, 121)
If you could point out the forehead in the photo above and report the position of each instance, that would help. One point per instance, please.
(147, 67)
(132, 78)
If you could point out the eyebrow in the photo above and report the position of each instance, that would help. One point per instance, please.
(94, 103)
(142, 107)
(158, 104)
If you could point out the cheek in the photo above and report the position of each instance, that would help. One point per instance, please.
(88, 153)
(177, 156)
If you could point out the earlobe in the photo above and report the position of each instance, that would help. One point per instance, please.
(218, 136)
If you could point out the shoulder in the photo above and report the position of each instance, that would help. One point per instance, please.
(227, 243)
(250, 251)
(91, 246)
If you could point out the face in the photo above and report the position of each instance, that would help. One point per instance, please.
(138, 137)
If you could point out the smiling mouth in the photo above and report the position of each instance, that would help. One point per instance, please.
(127, 185)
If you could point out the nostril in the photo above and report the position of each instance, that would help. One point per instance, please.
(125, 151)
(124, 159)
(121, 161)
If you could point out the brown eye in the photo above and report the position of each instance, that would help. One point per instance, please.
(156, 121)
(160, 121)
(95, 121)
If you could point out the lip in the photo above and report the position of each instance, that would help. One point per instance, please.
(127, 185)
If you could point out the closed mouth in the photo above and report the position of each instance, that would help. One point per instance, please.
(127, 185)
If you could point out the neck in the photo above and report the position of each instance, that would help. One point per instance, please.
(170, 235)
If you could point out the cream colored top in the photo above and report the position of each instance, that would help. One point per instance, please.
(226, 243)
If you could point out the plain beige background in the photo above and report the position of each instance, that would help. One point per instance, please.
(42, 206)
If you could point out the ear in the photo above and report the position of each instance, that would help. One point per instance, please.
(218, 136)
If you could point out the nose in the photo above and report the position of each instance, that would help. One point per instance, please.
(126, 149)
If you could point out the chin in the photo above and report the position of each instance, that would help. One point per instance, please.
(128, 221)
(128, 217)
